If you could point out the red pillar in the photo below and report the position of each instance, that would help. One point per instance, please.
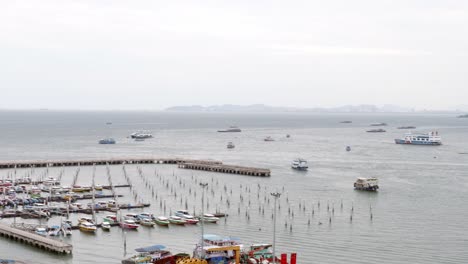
(284, 258)
(293, 258)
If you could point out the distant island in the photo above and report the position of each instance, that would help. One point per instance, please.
(463, 116)
(260, 108)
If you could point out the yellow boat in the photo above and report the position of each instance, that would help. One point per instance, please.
(87, 227)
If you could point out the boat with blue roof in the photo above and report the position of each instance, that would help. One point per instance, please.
(431, 138)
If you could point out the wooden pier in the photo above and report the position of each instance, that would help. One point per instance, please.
(226, 169)
(91, 162)
(35, 240)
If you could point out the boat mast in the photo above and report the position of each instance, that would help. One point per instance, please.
(203, 185)
(94, 193)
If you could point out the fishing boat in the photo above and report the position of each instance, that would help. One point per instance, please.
(406, 127)
(42, 231)
(129, 224)
(105, 226)
(299, 164)
(176, 220)
(230, 145)
(348, 148)
(431, 138)
(87, 227)
(366, 184)
(54, 230)
(231, 129)
(209, 218)
(107, 141)
(146, 222)
(267, 139)
(162, 221)
(152, 254)
(380, 130)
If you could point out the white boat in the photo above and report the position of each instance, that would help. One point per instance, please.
(106, 226)
(231, 129)
(431, 138)
(209, 218)
(299, 164)
(268, 139)
(366, 184)
(54, 230)
(42, 231)
(141, 135)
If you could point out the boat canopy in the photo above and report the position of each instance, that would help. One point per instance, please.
(150, 248)
(220, 238)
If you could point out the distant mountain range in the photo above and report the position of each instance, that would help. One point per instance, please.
(260, 108)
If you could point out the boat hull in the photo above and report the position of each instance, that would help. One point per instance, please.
(161, 223)
(369, 188)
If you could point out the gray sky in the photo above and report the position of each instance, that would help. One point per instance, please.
(146, 54)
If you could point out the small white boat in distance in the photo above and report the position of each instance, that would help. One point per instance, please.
(268, 139)
(299, 164)
(366, 184)
(231, 129)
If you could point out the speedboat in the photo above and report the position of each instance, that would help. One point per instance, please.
(42, 231)
(111, 219)
(54, 230)
(87, 227)
(162, 221)
(85, 219)
(209, 218)
(129, 224)
(131, 216)
(299, 164)
(431, 138)
(176, 220)
(106, 226)
(141, 135)
(146, 222)
(107, 141)
(366, 184)
(152, 254)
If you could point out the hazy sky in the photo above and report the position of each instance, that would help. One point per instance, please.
(147, 54)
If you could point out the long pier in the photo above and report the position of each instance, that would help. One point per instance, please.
(35, 240)
(91, 162)
(226, 169)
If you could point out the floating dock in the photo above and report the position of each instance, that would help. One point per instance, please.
(226, 169)
(35, 240)
(91, 162)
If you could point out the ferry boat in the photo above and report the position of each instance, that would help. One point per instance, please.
(380, 130)
(431, 138)
(107, 141)
(299, 164)
(231, 129)
(366, 184)
(230, 145)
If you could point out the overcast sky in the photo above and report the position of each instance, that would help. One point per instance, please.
(146, 54)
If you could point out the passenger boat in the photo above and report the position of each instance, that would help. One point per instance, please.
(129, 224)
(87, 227)
(146, 222)
(209, 218)
(268, 139)
(42, 231)
(162, 221)
(107, 141)
(431, 138)
(299, 164)
(231, 129)
(217, 249)
(54, 230)
(380, 130)
(176, 220)
(105, 226)
(366, 184)
(230, 145)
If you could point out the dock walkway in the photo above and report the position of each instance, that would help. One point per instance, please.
(226, 169)
(35, 240)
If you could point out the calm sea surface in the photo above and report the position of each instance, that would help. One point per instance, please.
(418, 216)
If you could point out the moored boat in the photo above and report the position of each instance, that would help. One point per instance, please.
(151, 254)
(209, 218)
(42, 231)
(129, 224)
(176, 220)
(431, 138)
(105, 226)
(366, 184)
(146, 222)
(162, 221)
(54, 230)
(87, 227)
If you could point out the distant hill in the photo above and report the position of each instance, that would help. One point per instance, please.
(260, 108)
